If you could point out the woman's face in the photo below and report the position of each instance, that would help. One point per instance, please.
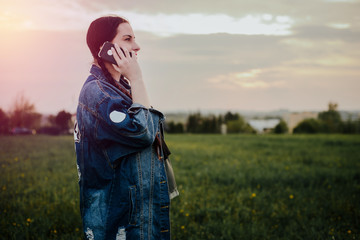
(125, 37)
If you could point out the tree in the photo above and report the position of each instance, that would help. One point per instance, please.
(197, 123)
(172, 127)
(210, 125)
(235, 126)
(281, 127)
(239, 126)
(331, 119)
(23, 114)
(179, 128)
(51, 120)
(349, 126)
(231, 117)
(63, 121)
(333, 106)
(309, 125)
(4, 122)
(194, 123)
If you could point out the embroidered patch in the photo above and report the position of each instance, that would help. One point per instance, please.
(121, 234)
(76, 132)
(117, 116)
(89, 234)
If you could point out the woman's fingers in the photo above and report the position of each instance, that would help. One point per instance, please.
(116, 56)
(125, 52)
(126, 62)
(116, 67)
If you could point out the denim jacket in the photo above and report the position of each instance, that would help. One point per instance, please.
(124, 191)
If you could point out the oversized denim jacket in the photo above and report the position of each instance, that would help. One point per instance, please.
(123, 184)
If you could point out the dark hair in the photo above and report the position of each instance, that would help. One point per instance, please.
(101, 30)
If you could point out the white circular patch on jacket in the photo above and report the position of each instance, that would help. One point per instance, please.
(117, 116)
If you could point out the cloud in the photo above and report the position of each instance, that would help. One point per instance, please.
(207, 59)
(250, 80)
(184, 17)
(163, 24)
(198, 23)
(322, 32)
(339, 25)
(302, 12)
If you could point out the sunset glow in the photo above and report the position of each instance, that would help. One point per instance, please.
(205, 52)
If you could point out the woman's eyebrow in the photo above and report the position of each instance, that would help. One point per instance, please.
(128, 35)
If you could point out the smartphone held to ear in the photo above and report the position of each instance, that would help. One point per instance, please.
(106, 54)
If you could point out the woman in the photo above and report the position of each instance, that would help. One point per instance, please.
(122, 161)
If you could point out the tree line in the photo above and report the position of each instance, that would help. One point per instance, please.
(198, 123)
(23, 115)
(24, 119)
(327, 122)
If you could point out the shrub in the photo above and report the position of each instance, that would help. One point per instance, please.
(309, 125)
(281, 127)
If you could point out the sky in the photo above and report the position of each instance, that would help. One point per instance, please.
(249, 55)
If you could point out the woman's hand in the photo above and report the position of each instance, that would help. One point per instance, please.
(127, 63)
(128, 66)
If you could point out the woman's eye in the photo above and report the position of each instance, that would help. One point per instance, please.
(127, 39)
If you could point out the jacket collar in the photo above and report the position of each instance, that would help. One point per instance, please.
(98, 73)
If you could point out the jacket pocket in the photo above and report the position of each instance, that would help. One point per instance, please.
(132, 201)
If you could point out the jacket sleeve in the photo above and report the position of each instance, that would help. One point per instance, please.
(121, 131)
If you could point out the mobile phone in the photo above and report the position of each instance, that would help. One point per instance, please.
(106, 54)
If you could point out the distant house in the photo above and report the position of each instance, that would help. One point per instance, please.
(293, 119)
(223, 129)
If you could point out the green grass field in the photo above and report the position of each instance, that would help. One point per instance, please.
(231, 187)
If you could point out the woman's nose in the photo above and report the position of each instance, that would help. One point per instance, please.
(136, 47)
